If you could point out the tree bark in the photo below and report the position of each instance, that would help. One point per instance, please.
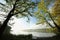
(4, 25)
(58, 27)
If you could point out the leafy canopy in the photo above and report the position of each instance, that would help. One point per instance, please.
(22, 7)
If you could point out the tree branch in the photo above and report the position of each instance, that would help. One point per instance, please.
(54, 21)
(21, 12)
(48, 23)
(2, 4)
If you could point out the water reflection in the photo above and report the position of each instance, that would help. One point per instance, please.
(35, 34)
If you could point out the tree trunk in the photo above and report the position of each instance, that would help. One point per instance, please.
(4, 25)
(58, 27)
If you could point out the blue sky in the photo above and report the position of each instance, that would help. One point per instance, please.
(2, 1)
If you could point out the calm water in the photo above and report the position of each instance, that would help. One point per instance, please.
(37, 34)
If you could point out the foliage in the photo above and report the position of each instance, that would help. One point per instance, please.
(56, 12)
(18, 8)
(21, 8)
(44, 15)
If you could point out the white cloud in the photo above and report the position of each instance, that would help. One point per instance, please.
(21, 24)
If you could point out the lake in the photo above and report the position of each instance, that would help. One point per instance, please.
(36, 34)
